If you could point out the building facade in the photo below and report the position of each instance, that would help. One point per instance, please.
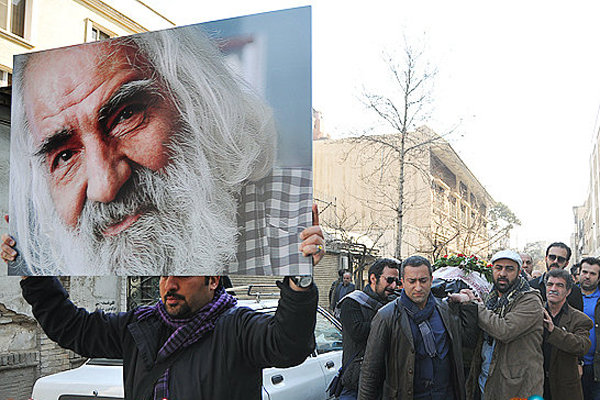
(445, 207)
(585, 240)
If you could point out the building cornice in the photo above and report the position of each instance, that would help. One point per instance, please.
(117, 17)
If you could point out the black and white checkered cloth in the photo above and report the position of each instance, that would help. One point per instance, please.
(272, 213)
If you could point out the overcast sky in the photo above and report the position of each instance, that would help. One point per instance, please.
(521, 79)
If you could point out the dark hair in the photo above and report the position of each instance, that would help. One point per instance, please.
(224, 281)
(590, 261)
(380, 264)
(416, 261)
(575, 268)
(561, 245)
(559, 273)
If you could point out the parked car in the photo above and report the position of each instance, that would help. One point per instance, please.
(102, 379)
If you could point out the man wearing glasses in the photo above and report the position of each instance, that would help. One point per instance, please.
(557, 256)
(357, 310)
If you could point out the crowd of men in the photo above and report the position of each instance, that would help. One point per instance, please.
(530, 336)
(524, 338)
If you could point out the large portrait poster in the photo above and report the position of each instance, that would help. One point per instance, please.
(178, 152)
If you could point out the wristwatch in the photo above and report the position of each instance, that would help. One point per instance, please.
(302, 281)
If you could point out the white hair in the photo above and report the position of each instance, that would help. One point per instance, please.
(226, 137)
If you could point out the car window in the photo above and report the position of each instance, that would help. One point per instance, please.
(327, 335)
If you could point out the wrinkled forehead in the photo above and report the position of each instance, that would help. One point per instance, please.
(554, 280)
(56, 79)
(56, 68)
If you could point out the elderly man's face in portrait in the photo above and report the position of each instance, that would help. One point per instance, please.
(124, 186)
(94, 120)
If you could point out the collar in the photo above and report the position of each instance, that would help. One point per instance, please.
(595, 293)
(563, 310)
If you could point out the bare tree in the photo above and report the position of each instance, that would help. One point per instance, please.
(402, 109)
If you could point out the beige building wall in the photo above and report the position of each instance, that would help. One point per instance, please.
(586, 236)
(358, 183)
(57, 23)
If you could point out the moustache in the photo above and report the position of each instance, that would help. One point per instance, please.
(133, 198)
(554, 292)
(554, 265)
(171, 293)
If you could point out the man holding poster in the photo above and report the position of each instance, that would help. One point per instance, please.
(194, 343)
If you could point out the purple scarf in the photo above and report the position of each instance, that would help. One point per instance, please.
(187, 331)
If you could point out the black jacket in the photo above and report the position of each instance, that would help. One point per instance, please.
(388, 368)
(575, 299)
(356, 324)
(225, 364)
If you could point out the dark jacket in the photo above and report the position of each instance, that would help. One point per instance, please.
(388, 366)
(340, 291)
(225, 364)
(570, 340)
(575, 299)
(356, 324)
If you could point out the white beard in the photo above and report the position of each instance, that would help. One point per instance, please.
(187, 227)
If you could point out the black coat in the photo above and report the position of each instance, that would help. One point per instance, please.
(225, 364)
(356, 324)
(575, 299)
(388, 368)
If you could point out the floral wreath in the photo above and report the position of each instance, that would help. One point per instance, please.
(466, 263)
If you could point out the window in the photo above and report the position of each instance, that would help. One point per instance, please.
(327, 336)
(5, 78)
(12, 16)
(97, 34)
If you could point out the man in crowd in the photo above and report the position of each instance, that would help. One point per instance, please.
(145, 155)
(356, 312)
(557, 256)
(575, 271)
(508, 360)
(194, 343)
(527, 266)
(414, 349)
(588, 280)
(342, 288)
(566, 338)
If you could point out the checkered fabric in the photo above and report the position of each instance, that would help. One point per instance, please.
(273, 212)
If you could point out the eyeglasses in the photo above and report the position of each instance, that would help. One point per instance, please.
(392, 279)
(560, 259)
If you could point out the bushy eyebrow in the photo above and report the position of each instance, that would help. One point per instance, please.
(53, 142)
(142, 89)
(145, 89)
